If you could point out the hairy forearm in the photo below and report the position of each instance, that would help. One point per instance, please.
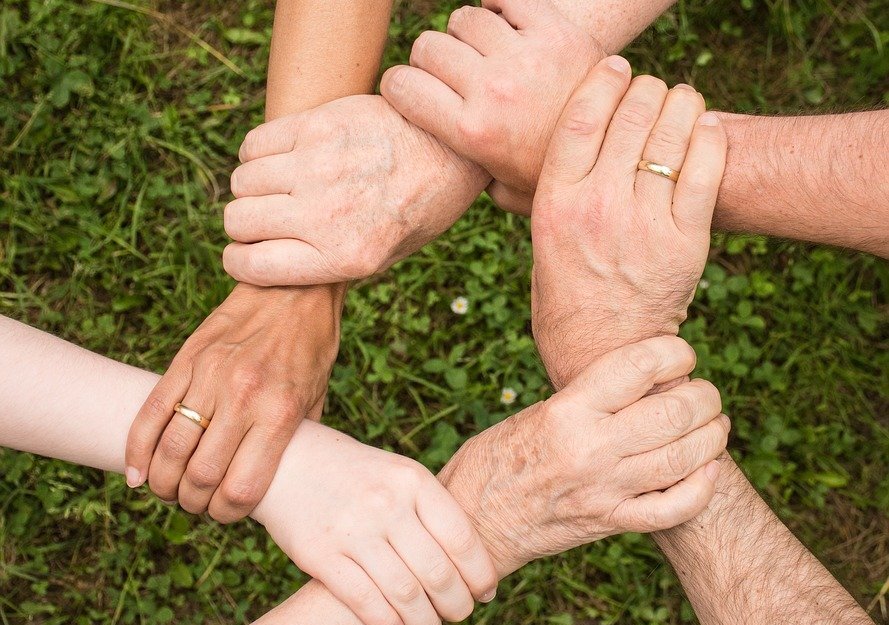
(741, 566)
(815, 178)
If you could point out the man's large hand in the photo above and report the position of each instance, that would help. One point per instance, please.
(592, 460)
(493, 87)
(339, 193)
(256, 366)
(618, 251)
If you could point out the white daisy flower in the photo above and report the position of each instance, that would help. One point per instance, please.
(460, 305)
(508, 396)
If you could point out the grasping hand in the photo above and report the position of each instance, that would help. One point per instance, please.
(255, 367)
(493, 87)
(619, 251)
(377, 529)
(340, 193)
(592, 460)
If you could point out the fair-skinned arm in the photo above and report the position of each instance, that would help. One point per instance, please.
(253, 367)
(622, 460)
(637, 243)
(810, 178)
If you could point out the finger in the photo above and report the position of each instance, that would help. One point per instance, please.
(510, 199)
(177, 444)
(522, 14)
(351, 584)
(264, 176)
(435, 571)
(281, 262)
(578, 136)
(152, 420)
(698, 185)
(665, 466)
(680, 503)
(453, 62)
(659, 419)
(399, 586)
(210, 461)
(249, 474)
(482, 29)
(275, 137)
(263, 217)
(629, 130)
(448, 524)
(425, 101)
(668, 145)
(623, 376)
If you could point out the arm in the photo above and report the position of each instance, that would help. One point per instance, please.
(811, 178)
(260, 363)
(394, 183)
(815, 178)
(622, 464)
(627, 249)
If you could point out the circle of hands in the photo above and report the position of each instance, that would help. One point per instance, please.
(517, 100)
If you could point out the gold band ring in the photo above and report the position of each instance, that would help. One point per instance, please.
(660, 170)
(192, 415)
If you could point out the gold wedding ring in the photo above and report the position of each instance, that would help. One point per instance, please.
(660, 170)
(192, 415)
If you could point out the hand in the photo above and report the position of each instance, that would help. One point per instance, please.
(493, 87)
(591, 461)
(339, 193)
(618, 252)
(377, 529)
(256, 366)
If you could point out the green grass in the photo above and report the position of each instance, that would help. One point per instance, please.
(118, 128)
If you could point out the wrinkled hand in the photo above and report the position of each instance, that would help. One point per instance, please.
(340, 193)
(377, 529)
(256, 366)
(493, 87)
(591, 461)
(618, 252)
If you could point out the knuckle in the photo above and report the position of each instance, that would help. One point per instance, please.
(440, 576)
(246, 379)
(204, 475)
(635, 114)
(641, 359)
(676, 412)
(472, 131)
(677, 460)
(408, 591)
(502, 89)
(668, 138)
(580, 119)
(241, 494)
(174, 445)
(463, 542)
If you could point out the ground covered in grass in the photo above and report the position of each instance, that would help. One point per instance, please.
(118, 126)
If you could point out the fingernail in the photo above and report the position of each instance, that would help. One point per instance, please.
(726, 422)
(712, 470)
(708, 119)
(489, 596)
(684, 87)
(134, 478)
(171, 502)
(618, 63)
